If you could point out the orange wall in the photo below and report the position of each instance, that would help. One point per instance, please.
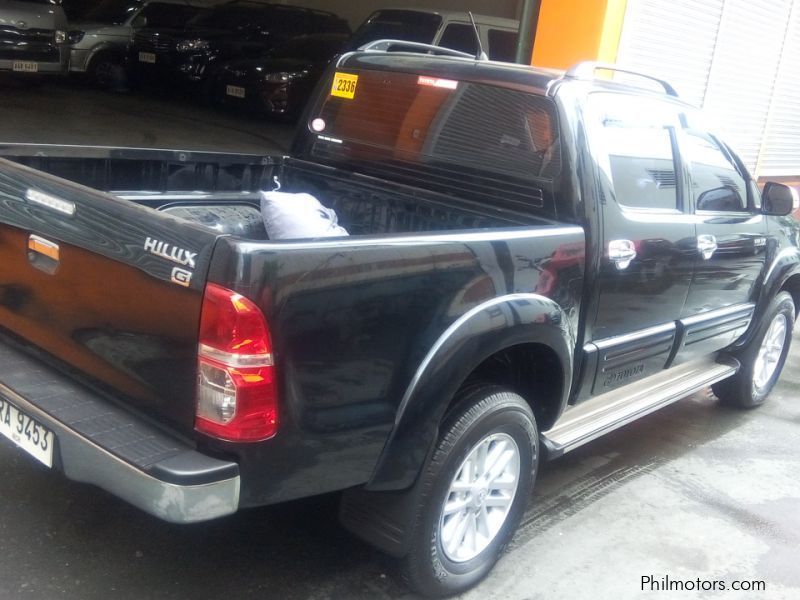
(570, 31)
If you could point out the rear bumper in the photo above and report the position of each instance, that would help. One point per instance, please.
(102, 444)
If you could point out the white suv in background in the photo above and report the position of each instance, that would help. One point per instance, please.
(446, 28)
(33, 36)
(99, 42)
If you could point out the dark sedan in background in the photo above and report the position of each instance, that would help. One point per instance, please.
(189, 57)
(279, 83)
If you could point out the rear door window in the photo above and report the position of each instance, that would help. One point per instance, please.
(460, 37)
(502, 45)
(636, 141)
(408, 25)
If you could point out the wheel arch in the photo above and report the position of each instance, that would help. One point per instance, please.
(477, 346)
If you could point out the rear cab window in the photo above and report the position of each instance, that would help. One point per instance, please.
(635, 141)
(480, 142)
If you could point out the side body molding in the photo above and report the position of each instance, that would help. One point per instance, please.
(478, 334)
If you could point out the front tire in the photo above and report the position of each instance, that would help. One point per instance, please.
(762, 359)
(474, 491)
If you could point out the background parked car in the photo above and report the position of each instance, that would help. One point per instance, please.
(279, 83)
(100, 41)
(451, 29)
(33, 37)
(239, 29)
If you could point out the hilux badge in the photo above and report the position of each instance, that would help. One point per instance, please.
(170, 252)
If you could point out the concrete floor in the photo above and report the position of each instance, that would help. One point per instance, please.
(693, 491)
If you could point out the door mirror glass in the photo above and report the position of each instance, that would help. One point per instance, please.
(778, 200)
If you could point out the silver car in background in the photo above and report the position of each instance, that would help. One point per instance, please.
(99, 41)
(33, 37)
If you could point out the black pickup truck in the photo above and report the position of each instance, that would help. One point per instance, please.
(534, 259)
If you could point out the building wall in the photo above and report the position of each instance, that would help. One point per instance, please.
(737, 59)
(571, 31)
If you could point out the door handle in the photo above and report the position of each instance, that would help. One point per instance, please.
(706, 245)
(621, 253)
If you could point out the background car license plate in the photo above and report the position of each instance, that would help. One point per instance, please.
(234, 90)
(25, 66)
(26, 432)
(147, 57)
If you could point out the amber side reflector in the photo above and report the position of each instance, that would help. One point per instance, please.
(44, 247)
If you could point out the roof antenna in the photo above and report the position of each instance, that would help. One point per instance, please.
(481, 55)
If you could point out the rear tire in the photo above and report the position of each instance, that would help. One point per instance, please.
(474, 490)
(762, 359)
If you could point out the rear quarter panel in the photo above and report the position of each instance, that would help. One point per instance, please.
(352, 322)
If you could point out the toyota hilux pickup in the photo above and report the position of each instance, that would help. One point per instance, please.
(534, 259)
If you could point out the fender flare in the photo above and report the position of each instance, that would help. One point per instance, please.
(784, 266)
(478, 334)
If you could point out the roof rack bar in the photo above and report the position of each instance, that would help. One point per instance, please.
(386, 45)
(585, 70)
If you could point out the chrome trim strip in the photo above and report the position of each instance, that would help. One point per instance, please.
(66, 207)
(85, 461)
(719, 313)
(235, 360)
(620, 340)
(406, 240)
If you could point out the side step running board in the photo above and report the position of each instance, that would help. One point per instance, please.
(595, 417)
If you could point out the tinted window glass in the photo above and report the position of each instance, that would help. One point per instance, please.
(716, 183)
(232, 17)
(406, 25)
(471, 140)
(502, 45)
(635, 141)
(459, 37)
(168, 15)
(113, 12)
(317, 48)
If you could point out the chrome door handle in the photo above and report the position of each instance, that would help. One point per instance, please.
(621, 253)
(706, 245)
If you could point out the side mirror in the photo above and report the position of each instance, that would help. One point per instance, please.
(778, 200)
(139, 21)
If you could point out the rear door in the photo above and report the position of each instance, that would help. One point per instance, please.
(648, 234)
(108, 290)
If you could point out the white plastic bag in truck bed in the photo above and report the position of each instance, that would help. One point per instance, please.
(291, 216)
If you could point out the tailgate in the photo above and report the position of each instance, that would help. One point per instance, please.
(110, 290)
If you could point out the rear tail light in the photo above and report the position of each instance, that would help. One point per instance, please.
(236, 391)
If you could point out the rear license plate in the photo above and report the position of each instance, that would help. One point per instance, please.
(25, 66)
(147, 57)
(235, 91)
(26, 432)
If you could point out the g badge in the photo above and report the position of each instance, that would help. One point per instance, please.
(181, 276)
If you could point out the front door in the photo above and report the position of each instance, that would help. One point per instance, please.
(731, 244)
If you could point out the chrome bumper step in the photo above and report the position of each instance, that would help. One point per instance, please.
(602, 414)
